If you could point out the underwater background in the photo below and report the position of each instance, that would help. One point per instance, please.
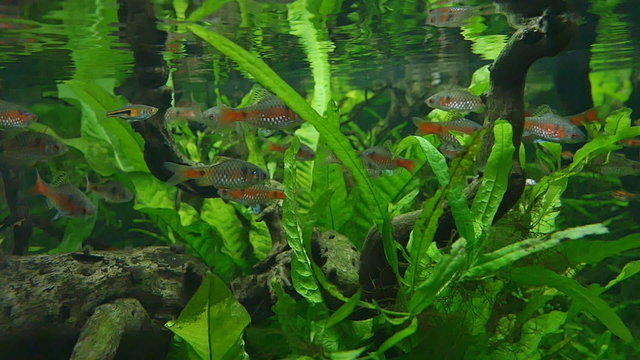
(319, 179)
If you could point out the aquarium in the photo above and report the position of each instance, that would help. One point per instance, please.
(319, 179)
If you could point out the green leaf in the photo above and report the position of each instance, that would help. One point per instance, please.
(301, 271)
(76, 231)
(206, 9)
(345, 310)
(449, 265)
(223, 218)
(397, 337)
(537, 276)
(592, 251)
(629, 270)
(491, 262)
(213, 322)
(496, 178)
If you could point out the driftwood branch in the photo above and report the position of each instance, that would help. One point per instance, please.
(64, 290)
(544, 35)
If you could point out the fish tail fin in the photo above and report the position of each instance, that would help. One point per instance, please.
(588, 116)
(40, 187)
(179, 173)
(410, 165)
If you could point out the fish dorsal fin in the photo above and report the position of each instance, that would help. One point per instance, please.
(417, 121)
(454, 115)
(59, 178)
(258, 94)
(542, 110)
(220, 158)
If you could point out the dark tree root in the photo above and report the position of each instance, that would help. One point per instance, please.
(19, 219)
(151, 74)
(544, 35)
(48, 298)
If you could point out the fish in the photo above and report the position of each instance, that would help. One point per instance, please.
(258, 194)
(442, 129)
(28, 147)
(133, 112)
(449, 150)
(567, 155)
(383, 159)
(305, 153)
(227, 173)
(589, 116)
(615, 165)
(66, 198)
(191, 113)
(623, 195)
(455, 99)
(111, 191)
(15, 116)
(547, 126)
(455, 16)
(635, 142)
(268, 113)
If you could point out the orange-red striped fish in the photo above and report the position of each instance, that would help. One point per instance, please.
(382, 158)
(305, 153)
(66, 198)
(623, 195)
(554, 128)
(258, 194)
(228, 173)
(442, 129)
(28, 147)
(455, 99)
(134, 112)
(635, 142)
(588, 116)
(15, 116)
(268, 113)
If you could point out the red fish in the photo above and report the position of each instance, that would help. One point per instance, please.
(623, 195)
(588, 116)
(228, 173)
(456, 99)
(546, 125)
(442, 129)
(134, 112)
(28, 147)
(630, 142)
(567, 155)
(66, 198)
(383, 159)
(253, 195)
(15, 116)
(268, 113)
(305, 153)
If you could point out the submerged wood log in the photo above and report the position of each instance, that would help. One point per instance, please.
(101, 334)
(542, 36)
(52, 296)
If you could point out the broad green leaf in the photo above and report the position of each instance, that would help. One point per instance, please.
(260, 239)
(496, 178)
(537, 276)
(213, 322)
(480, 81)
(301, 271)
(491, 262)
(397, 337)
(594, 251)
(223, 218)
(75, 233)
(206, 9)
